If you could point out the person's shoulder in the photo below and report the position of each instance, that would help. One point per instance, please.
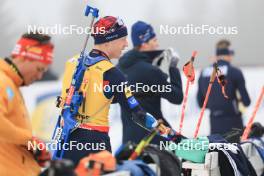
(153, 69)
(234, 68)
(72, 62)
(5, 80)
(207, 71)
(128, 54)
(114, 73)
(73, 59)
(235, 71)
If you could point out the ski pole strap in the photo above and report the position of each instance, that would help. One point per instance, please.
(191, 70)
(251, 120)
(188, 69)
(213, 75)
(221, 79)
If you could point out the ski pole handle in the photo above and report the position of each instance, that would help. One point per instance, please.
(191, 62)
(193, 55)
(93, 11)
(213, 75)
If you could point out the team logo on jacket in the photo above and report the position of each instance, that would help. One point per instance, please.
(10, 93)
(132, 102)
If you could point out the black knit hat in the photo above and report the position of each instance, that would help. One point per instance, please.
(110, 28)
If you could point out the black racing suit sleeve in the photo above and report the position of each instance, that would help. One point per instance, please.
(119, 85)
(240, 84)
(116, 78)
(173, 93)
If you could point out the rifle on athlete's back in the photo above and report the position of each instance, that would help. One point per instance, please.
(66, 122)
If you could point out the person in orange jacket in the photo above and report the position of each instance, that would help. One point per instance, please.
(29, 60)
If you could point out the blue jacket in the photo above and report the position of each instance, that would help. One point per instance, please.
(218, 105)
(138, 69)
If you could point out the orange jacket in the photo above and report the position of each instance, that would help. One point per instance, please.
(15, 127)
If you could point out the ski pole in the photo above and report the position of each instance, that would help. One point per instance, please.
(190, 74)
(212, 79)
(144, 142)
(222, 82)
(251, 120)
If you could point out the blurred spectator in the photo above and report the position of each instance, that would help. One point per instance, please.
(225, 113)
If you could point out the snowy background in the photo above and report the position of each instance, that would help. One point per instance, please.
(247, 16)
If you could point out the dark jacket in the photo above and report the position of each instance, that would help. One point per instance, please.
(138, 69)
(224, 112)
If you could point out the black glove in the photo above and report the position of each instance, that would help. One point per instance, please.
(257, 130)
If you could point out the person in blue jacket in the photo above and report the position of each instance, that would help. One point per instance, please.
(141, 72)
(104, 84)
(224, 113)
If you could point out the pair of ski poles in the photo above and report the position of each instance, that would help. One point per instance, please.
(189, 72)
(221, 80)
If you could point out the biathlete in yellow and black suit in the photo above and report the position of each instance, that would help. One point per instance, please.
(102, 85)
